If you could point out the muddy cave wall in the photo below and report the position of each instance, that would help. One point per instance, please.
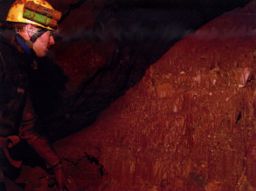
(105, 47)
(91, 26)
(189, 124)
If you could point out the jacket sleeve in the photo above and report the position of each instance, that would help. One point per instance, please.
(5, 87)
(37, 142)
(7, 92)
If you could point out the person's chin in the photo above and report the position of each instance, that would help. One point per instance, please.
(42, 54)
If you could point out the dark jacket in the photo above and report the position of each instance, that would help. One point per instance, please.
(14, 69)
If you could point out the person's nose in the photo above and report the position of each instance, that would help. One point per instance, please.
(51, 40)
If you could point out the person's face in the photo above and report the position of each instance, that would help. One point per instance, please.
(43, 43)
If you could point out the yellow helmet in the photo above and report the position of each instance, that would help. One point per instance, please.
(37, 12)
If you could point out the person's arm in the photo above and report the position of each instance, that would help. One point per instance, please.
(40, 144)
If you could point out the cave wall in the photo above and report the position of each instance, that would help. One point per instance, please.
(78, 51)
(105, 47)
(188, 125)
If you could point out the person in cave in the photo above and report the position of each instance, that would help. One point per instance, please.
(27, 38)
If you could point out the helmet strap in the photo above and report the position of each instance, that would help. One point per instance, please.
(37, 34)
(33, 34)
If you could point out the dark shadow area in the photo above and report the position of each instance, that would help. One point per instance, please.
(47, 85)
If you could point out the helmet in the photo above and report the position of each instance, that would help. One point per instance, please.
(37, 12)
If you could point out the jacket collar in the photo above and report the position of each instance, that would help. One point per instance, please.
(24, 45)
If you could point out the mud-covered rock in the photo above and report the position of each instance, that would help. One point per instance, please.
(189, 123)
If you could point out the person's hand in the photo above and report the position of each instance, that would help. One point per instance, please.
(59, 176)
(70, 184)
(64, 183)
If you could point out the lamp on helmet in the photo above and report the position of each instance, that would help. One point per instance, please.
(37, 12)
